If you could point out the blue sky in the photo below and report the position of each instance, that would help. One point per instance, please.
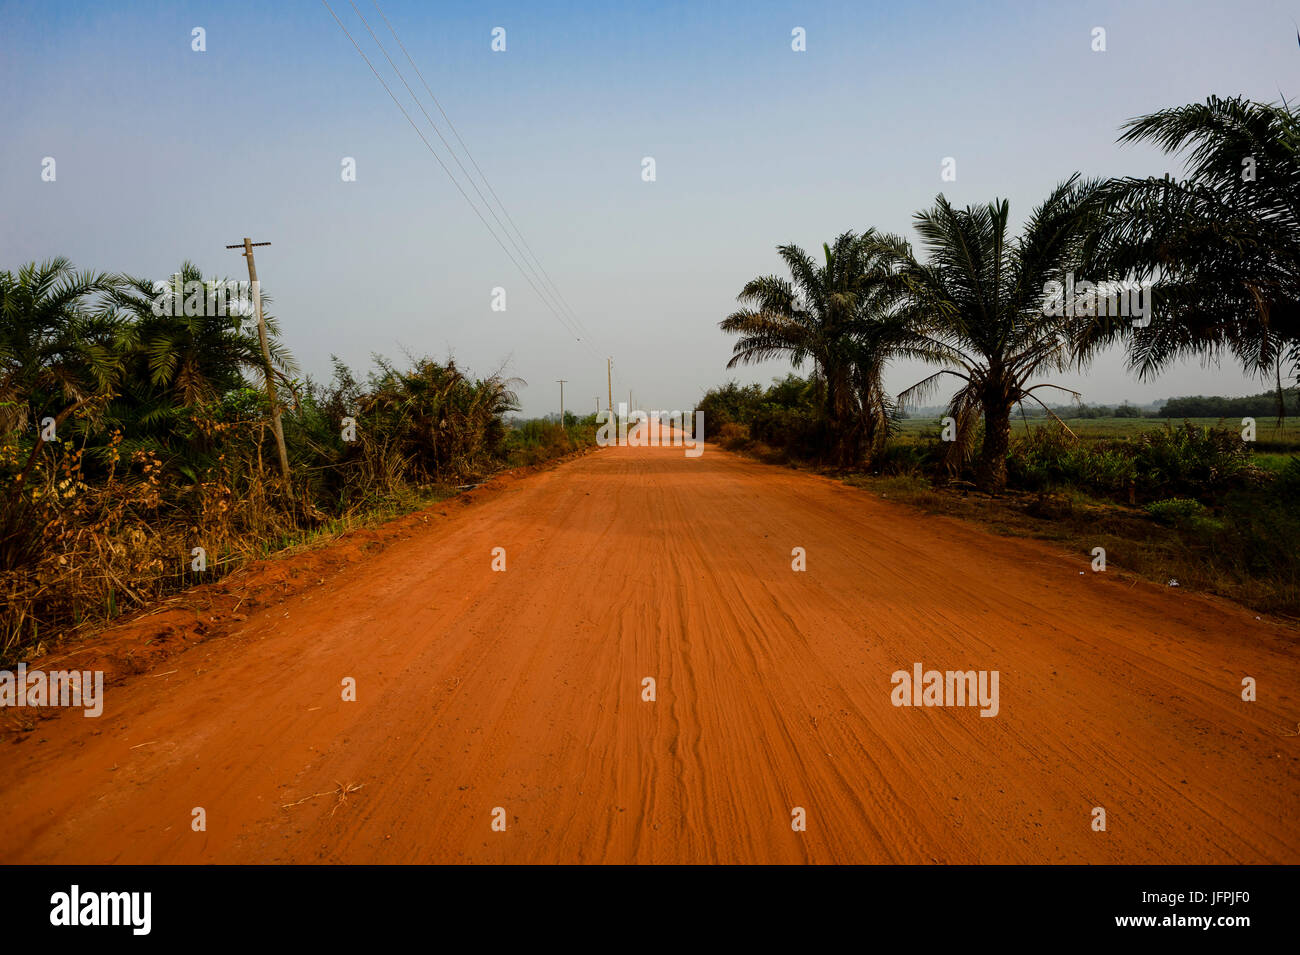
(165, 154)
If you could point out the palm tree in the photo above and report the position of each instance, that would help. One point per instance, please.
(978, 305)
(181, 355)
(58, 358)
(58, 349)
(194, 355)
(1222, 247)
(838, 316)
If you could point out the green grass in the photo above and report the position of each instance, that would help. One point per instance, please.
(1272, 462)
(1272, 443)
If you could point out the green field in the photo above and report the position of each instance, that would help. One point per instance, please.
(1273, 445)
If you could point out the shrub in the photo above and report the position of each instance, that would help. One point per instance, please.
(797, 431)
(1187, 460)
(1190, 460)
(1175, 510)
(106, 518)
(729, 404)
(733, 435)
(787, 417)
(906, 460)
(1048, 458)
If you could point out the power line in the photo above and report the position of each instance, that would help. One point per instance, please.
(554, 288)
(560, 318)
(470, 156)
(574, 325)
(577, 327)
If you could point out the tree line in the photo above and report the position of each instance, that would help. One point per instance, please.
(1282, 404)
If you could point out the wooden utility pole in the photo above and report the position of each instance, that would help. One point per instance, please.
(598, 404)
(247, 245)
(609, 380)
(561, 383)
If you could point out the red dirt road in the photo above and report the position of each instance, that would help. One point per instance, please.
(523, 690)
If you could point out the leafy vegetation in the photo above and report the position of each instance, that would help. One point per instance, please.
(977, 306)
(783, 421)
(132, 435)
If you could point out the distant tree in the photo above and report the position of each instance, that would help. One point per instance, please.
(732, 403)
(1255, 406)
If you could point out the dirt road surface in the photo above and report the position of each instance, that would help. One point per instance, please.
(522, 690)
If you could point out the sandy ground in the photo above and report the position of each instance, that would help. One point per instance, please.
(523, 690)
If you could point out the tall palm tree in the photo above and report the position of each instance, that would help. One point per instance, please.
(1222, 247)
(836, 314)
(978, 306)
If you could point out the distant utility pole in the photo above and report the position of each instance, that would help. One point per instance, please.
(561, 383)
(609, 381)
(598, 404)
(247, 245)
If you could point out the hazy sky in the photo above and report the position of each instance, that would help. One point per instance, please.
(165, 154)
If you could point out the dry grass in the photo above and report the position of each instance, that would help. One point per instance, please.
(340, 794)
(1134, 542)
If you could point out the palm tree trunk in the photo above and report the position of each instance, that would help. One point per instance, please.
(844, 430)
(991, 473)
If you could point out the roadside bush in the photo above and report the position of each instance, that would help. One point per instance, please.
(730, 404)
(1049, 458)
(732, 435)
(159, 440)
(786, 418)
(1183, 513)
(907, 460)
(799, 432)
(1190, 459)
(1258, 535)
